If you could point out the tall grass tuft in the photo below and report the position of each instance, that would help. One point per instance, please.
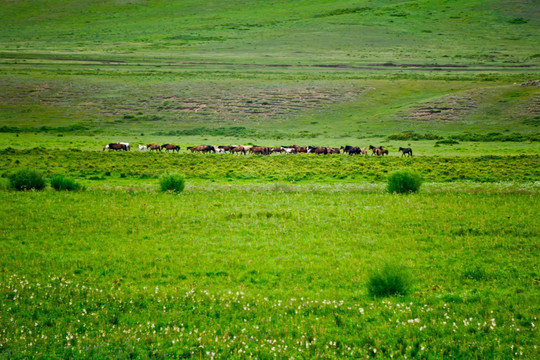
(404, 181)
(172, 182)
(60, 182)
(27, 179)
(389, 280)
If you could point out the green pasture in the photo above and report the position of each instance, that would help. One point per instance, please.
(269, 257)
(213, 273)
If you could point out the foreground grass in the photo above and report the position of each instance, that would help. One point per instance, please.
(233, 273)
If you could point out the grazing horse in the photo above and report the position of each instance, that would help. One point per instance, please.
(238, 149)
(153, 147)
(363, 151)
(115, 147)
(332, 150)
(128, 147)
(142, 147)
(202, 148)
(260, 150)
(290, 150)
(405, 151)
(377, 150)
(383, 151)
(172, 147)
(227, 148)
(318, 150)
(300, 149)
(351, 150)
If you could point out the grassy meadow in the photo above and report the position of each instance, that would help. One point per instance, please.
(270, 256)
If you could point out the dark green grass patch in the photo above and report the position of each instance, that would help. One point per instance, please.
(63, 183)
(390, 279)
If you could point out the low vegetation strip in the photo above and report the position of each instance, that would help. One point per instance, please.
(94, 165)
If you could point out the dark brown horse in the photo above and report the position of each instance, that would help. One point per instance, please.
(202, 148)
(300, 149)
(405, 151)
(168, 147)
(115, 147)
(227, 148)
(155, 147)
(260, 150)
(378, 150)
(318, 150)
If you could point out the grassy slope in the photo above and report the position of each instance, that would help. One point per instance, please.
(305, 31)
(155, 40)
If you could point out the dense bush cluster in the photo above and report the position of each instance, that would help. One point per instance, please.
(27, 179)
(172, 182)
(404, 181)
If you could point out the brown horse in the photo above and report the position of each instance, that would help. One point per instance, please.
(238, 149)
(202, 148)
(260, 150)
(318, 150)
(155, 147)
(377, 150)
(332, 150)
(227, 148)
(172, 147)
(300, 149)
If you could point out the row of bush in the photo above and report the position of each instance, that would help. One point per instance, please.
(29, 179)
(410, 135)
(401, 182)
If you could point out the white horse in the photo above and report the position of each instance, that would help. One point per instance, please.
(143, 147)
(128, 147)
(289, 150)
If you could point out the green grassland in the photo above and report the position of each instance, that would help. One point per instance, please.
(258, 273)
(270, 256)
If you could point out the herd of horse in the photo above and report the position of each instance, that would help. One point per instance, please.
(261, 150)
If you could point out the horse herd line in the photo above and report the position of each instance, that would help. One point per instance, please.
(261, 150)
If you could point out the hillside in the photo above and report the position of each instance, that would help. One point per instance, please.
(256, 71)
(277, 32)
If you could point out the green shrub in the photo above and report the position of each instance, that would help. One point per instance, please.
(389, 280)
(60, 182)
(174, 182)
(404, 181)
(27, 179)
